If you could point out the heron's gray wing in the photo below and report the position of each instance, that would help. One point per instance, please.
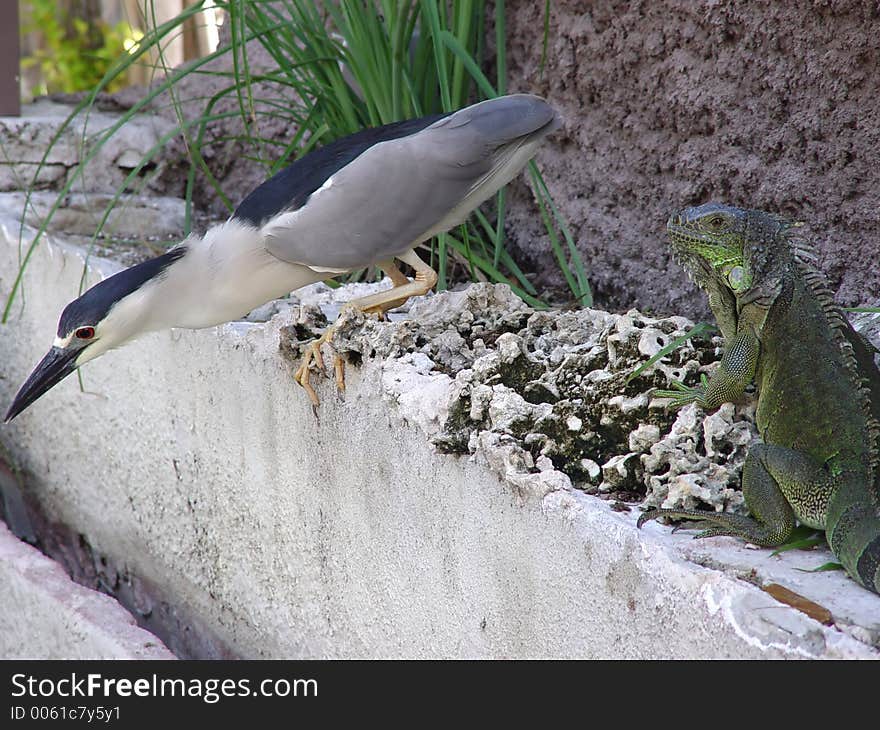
(291, 187)
(399, 192)
(373, 209)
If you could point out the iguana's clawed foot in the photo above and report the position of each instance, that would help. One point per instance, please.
(682, 395)
(695, 521)
(723, 524)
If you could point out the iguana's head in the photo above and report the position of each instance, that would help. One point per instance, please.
(720, 244)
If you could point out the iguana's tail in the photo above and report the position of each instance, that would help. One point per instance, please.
(852, 524)
(854, 536)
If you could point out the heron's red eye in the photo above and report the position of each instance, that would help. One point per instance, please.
(85, 333)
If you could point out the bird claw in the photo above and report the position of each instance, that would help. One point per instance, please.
(339, 372)
(313, 354)
(313, 350)
(303, 375)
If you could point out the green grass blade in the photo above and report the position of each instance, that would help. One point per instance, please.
(698, 329)
(461, 53)
(505, 257)
(431, 11)
(441, 261)
(802, 538)
(581, 289)
(493, 274)
(825, 567)
(555, 246)
(97, 144)
(501, 201)
(408, 58)
(545, 39)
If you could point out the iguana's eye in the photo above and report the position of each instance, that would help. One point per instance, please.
(716, 223)
(736, 277)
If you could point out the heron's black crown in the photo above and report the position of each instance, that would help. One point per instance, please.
(94, 305)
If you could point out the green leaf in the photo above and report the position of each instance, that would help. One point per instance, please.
(822, 568)
(545, 39)
(802, 538)
(578, 283)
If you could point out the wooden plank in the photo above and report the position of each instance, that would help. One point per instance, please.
(10, 93)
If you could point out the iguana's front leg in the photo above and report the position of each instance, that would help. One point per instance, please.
(780, 485)
(727, 383)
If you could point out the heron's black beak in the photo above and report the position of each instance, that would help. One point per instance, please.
(57, 365)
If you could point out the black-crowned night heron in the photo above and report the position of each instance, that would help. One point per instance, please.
(363, 200)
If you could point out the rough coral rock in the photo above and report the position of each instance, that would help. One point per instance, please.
(699, 461)
(546, 398)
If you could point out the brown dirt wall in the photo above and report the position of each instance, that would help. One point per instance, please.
(669, 103)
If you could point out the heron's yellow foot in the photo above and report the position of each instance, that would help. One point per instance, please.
(301, 376)
(313, 355)
(376, 304)
(379, 311)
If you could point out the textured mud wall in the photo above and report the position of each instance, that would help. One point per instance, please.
(676, 102)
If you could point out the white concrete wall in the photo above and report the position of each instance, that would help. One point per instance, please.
(195, 462)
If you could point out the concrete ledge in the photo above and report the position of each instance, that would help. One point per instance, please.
(45, 615)
(26, 139)
(194, 463)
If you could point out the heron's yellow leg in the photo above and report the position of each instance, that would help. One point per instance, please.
(403, 288)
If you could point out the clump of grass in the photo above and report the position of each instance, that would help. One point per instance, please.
(338, 67)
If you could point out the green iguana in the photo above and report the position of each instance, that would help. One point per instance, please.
(818, 386)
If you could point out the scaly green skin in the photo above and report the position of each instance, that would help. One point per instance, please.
(818, 386)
